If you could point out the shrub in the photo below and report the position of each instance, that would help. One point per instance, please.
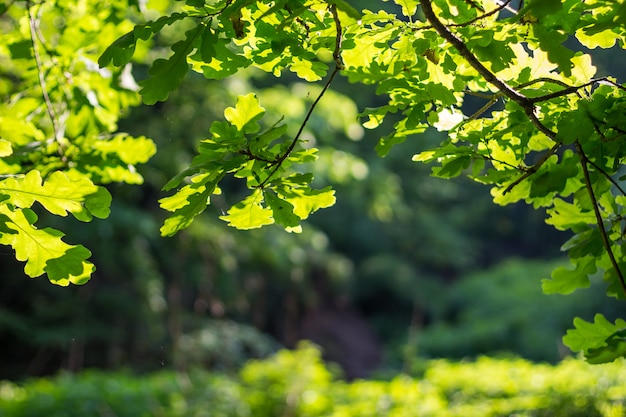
(298, 384)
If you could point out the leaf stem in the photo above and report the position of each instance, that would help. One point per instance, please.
(460, 46)
(503, 5)
(338, 66)
(526, 103)
(600, 222)
(33, 23)
(530, 171)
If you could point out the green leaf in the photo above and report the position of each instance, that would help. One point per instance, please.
(262, 142)
(122, 50)
(345, 7)
(553, 177)
(188, 202)
(566, 215)
(307, 201)
(6, 148)
(165, 75)
(566, 281)
(59, 194)
(71, 267)
(282, 210)
(600, 341)
(541, 8)
(452, 167)
(207, 47)
(43, 250)
(409, 7)
(591, 335)
(130, 150)
(249, 213)
(615, 349)
(245, 113)
(224, 63)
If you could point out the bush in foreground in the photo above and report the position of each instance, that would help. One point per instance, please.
(297, 383)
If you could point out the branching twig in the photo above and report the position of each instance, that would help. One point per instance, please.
(607, 176)
(460, 46)
(531, 170)
(338, 66)
(600, 222)
(338, 38)
(504, 5)
(523, 101)
(489, 76)
(492, 100)
(42, 79)
(567, 91)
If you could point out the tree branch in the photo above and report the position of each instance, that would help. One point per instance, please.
(566, 91)
(600, 222)
(460, 46)
(530, 171)
(504, 5)
(508, 91)
(338, 66)
(33, 23)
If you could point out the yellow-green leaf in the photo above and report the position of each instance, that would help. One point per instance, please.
(245, 113)
(249, 213)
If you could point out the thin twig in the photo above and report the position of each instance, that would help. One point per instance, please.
(339, 35)
(502, 6)
(600, 222)
(561, 93)
(338, 66)
(531, 170)
(543, 80)
(492, 100)
(607, 176)
(40, 72)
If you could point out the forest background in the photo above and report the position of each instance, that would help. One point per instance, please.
(402, 268)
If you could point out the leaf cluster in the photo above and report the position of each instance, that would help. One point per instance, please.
(58, 122)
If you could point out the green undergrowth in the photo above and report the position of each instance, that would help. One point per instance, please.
(297, 383)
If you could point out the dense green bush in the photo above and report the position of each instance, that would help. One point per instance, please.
(298, 384)
(95, 393)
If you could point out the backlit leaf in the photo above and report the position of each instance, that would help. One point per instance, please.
(43, 250)
(566, 281)
(249, 213)
(59, 194)
(245, 113)
(165, 75)
(282, 210)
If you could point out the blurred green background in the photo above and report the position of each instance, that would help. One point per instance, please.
(404, 268)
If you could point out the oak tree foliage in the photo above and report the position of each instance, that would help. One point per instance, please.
(549, 132)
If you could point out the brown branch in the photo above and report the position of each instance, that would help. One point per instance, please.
(339, 32)
(460, 46)
(523, 101)
(607, 176)
(600, 222)
(569, 90)
(489, 76)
